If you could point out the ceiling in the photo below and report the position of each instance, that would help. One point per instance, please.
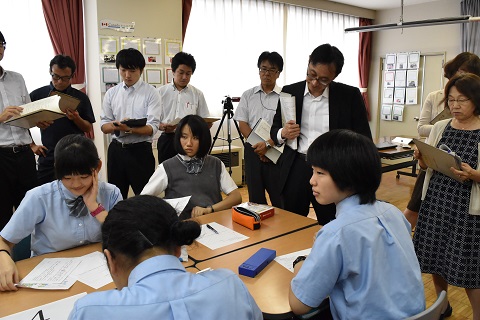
(381, 4)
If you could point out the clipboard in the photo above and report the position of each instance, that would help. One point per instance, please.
(445, 114)
(439, 160)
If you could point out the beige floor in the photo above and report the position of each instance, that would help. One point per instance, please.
(397, 192)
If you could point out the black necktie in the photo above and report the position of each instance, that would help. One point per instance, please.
(77, 207)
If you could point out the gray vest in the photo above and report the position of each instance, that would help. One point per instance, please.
(203, 187)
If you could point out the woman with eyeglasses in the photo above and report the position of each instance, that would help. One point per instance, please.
(447, 237)
(141, 240)
(434, 105)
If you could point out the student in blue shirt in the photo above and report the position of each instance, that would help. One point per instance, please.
(141, 239)
(61, 214)
(364, 259)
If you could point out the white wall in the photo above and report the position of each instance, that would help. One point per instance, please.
(424, 39)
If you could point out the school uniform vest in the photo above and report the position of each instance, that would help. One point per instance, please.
(204, 187)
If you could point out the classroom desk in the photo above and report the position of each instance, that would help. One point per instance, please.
(283, 222)
(395, 153)
(23, 299)
(270, 287)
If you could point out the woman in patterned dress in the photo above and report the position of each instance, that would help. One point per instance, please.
(447, 238)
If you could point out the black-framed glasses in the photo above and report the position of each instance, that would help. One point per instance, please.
(461, 102)
(57, 77)
(318, 79)
(269, 71)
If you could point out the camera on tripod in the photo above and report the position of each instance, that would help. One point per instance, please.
(227, 103)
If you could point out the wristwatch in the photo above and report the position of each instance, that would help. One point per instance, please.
(267, 144)
(299, 258)
(99, 209)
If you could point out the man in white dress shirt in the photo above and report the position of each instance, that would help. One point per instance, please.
(179, 98)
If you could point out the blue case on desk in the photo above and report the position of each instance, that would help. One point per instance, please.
(256, 263)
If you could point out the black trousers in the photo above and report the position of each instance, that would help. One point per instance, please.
(19, 174)
(260, 177)
(297, 193)
(45, 174)
(166, 147)
(130, 165)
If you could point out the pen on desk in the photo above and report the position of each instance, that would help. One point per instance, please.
(211, 228)
(204, 270)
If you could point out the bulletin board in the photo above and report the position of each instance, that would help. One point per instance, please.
(418, 83)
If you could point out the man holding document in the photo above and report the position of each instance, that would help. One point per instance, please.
(79, 115)
(316, 105)
(17, 161)
(260, 103)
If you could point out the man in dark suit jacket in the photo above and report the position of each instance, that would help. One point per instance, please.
(320, 105)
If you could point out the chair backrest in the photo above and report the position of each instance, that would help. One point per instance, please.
(22, 250)
(435, 310)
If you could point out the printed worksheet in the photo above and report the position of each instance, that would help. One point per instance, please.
(217, 236)
(287, 259)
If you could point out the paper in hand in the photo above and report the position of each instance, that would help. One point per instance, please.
(287, 104)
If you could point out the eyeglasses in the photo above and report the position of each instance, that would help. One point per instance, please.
(312, 78)
(461, 102)
(3, 45)
(57, 77)
(269, 71)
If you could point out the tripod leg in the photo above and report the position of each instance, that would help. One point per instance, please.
(216, 134)
(238, 131)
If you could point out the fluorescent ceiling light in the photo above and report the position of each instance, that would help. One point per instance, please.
(410, 24)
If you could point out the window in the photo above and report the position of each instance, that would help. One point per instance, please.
(227, 36)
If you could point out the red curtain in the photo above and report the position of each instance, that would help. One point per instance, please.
(364, 55)
(186, 8)
(65, 25)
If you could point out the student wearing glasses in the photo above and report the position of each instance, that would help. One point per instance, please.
(179, 98)
(79, 121)
(141, 239)
(17, 160)
(321, 105)
(260, 102)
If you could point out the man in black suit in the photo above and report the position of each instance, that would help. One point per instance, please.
(320, 105)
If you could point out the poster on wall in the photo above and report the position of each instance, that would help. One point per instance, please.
(397, 113)
(387, 95)
(152, 50)
(400, 78)
(411, 96)
(168, 75)
(402, 61)
(386, 112)
(109, 46)
(389, 79)
(172, 47)
(399, 96)
(390, 61)
(130, 42)
(154, 77)
(414, 60)
(412, 78)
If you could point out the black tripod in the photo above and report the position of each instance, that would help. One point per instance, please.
(228, 113)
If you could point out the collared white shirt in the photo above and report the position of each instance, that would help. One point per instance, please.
(13, 92)
(255, 104)
(135, 102)
(315, 118)
(178, 104)
(158, 182)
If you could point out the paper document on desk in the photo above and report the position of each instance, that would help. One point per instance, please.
(287, 104)
(287, 259)
(57, 310)
(178, 203)
(261, 133)
(51, 274)
(224, 237)
(93, 270)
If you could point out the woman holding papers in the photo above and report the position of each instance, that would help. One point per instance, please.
(141, 240)
(433, 106)
(447, 238)
(62, 214)
(364, 259)
(194, 173)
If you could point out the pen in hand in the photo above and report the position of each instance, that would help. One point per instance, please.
(211, 228)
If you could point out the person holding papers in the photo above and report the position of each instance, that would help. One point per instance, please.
(130, 156)
(179, 99)
(192, 172)
(142, 237)
(320, 105)
(62, 69)
(434, 105)
(447, 237)
(62, 214)
(257, 103)
(364, 260)
(17, 160)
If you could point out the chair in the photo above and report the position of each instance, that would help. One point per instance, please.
(435, 310)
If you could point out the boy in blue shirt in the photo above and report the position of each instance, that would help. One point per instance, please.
(61, 214)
